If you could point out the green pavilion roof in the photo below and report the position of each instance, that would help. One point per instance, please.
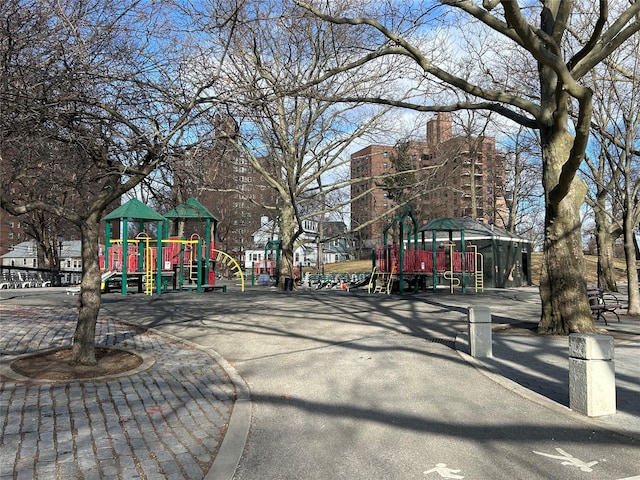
(134, 209)
(444, 224)
(192, 208)
(472, 228)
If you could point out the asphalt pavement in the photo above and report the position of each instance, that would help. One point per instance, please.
(311, 385)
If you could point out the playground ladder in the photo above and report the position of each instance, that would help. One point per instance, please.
(385, 283)
(148, 273)
(193, 272)
(381, 287)
(372, 280)
(479, 274)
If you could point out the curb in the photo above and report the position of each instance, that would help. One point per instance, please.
(235, 438)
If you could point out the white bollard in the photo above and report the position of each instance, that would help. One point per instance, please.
(479, 326)
(592, 378)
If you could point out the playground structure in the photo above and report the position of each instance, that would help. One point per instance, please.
(448, 259)
(450, 266)
(416, 263)
(155, 263)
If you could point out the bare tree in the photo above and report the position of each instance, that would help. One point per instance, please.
(293, 138)
(95, 96)
(399, 187)
(608, 221)
(545, 106)
(525, 207)
(613, 170)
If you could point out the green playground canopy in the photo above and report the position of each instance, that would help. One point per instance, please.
(192, 208)
(135, 210)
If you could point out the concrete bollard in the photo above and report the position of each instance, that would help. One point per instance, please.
(479, 325)
(592, 378)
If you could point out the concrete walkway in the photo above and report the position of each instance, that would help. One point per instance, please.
(342, 385)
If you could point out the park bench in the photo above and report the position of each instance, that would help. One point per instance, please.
(602, 303)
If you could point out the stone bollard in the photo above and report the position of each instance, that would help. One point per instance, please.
(479, 325)
(592, 378)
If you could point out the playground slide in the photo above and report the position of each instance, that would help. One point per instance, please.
(105, 278)
(362, 283)
(107, 275)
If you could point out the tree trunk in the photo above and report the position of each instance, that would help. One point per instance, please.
(563, 288)
(89, 300)
(286, 266)
(604, 242)
(288, 226)
(606, 276)
(632, 270)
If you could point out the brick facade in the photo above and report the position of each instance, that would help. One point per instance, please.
(466, 178)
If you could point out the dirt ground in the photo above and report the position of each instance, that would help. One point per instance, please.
(57, 365)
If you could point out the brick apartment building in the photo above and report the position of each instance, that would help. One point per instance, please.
(13, 231)
(229, 187)
(465, 179)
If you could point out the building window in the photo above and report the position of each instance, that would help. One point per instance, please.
(385, 165)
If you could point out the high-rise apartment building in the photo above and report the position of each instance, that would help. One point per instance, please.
(451, 176)
(226, 184)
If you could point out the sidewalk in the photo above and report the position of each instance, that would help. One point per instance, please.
(541, 364)
(342, 386)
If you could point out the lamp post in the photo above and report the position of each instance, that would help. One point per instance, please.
(320, 265)
(59, 275)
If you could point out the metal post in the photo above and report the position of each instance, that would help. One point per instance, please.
(60, 239)
(125, 255)
(159, 258)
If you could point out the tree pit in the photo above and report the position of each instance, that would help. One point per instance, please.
(57, 365)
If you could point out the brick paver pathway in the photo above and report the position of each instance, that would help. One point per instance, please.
(163, 422)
